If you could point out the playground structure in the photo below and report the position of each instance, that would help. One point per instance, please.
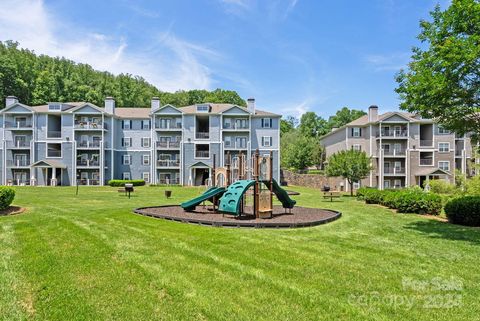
(230, 185)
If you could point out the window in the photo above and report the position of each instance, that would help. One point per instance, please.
(386, 184)
(397, 183)
(146, 159)
(202, 151)
(227, 123)
(386, 148)
(266, 141)
(356, 185)
(146, 124)
(444, 165)
(146, 177)
(126, 124)
(126, 175)
(357, 147)
(442, 130)
(443, 147)
(54, 107)
(127, 142)
(228, 141)
(54, 150)
(127, 160)
(145, 142)
(203, 108)
(356, 132)
(266, 123)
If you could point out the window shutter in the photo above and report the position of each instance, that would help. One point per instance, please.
(123, 141)
(271, 141)
(263, 123)
(123, 124)
(360, 132)
(270, 122)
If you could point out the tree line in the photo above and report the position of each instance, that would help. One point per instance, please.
(38, 79)
(300, 143)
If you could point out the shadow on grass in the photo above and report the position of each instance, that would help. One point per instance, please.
(444, 230)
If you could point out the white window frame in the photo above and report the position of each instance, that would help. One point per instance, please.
(61, 151)
(126, 176)
(357, 147)
(125, 140)
(146, 124)
(440, 150)
(127, 160)
(356, 132)
(145, 159)
(266, 122)
(146, 177)
(269, 141)
(356, 185)
(399, 185)
(443, 131)
(444, 162)
(146, 139)
(125, 122)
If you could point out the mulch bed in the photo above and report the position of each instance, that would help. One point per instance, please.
(204, 215)
(12, 210)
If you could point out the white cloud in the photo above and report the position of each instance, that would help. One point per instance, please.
(298, 108)
(390, 62)
(171, 63)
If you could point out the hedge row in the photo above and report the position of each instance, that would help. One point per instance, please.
(7, 194)
(122, 182)
(464, 211)
(410, 200)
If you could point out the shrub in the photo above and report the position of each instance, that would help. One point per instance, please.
(362, 191)
(7, 194)
(464, 211)
(122, 182)
(373, 196)
(414, 200)
(390, 198)
(473, 186)
(441, 186)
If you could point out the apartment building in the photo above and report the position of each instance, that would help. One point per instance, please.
(80, 143)
(405, 149)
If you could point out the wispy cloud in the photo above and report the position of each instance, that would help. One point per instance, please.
(388, 62)
(171, 63)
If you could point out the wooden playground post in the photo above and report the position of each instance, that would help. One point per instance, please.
(212, 177)
(228, 169)
(256, 189)
(271, 181)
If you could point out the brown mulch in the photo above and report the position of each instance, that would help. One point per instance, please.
(299, 216)
(12, 210)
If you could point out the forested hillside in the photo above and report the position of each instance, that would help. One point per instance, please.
(37, 79)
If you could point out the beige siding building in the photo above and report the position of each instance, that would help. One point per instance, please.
(405, 149)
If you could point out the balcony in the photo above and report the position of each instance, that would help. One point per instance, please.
(54, 153)
(230, 126)
(89, 182)
(458, 153)
(18, 125)
(394, 171)
(167, 181)
(90, 125)
(168, 145)
(426, 143)
(236, 145)
(393, 133)
(170, 163)
(19, 144)
(54, 134)
(87, 163)
(88, 144)
(168, 126)
(18, 163)
(202, 154)
(202, 135)
(426, 161)
(395, 152)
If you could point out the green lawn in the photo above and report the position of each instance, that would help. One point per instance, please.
(89, 258)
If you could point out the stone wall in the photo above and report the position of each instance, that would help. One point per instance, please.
(310, 180)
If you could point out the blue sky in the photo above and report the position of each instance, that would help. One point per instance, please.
(291, 55)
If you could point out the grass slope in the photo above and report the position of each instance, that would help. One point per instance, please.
(89, 258)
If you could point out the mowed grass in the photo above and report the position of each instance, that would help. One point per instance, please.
(87, 257)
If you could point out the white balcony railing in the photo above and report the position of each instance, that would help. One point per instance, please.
(18, 144)
(168, 145)
(90, 125)
(394, 170)
(202, 154)
(395, 152)
(88, 144)
(18, 124)
(166, 126)
(88, 182)
(234, 126)
(88, 163)
(18, 163)
(202, 135)
(236, 145)
(168, 163)
(393, 133)
(168, 181)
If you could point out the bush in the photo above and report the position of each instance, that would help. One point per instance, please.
(464, 211)
(473, 186)
(362, 191)
(7, 194)
(122, 182)
(414, 200)
(373, 196)
(441, 186)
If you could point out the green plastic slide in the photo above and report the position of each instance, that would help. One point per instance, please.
(232, 198)
(281, 194)
(210, 193)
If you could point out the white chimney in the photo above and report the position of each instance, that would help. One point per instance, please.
(10, 100)
(373, 113)
(155, 104)
(110, 105)
(251, 105)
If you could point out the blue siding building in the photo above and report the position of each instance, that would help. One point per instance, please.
(80, 143)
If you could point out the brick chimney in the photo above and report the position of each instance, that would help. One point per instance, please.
(251, 105)
(373, 113)
(110, 105)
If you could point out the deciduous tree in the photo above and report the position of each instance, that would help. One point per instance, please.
(350, 164)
